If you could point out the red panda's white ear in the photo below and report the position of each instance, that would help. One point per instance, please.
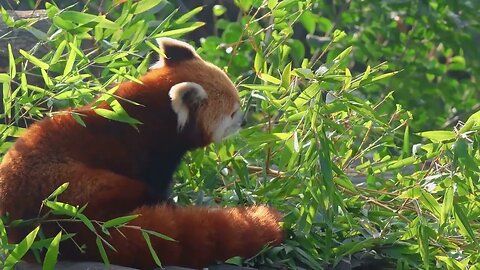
(186, 96)
(174, 51)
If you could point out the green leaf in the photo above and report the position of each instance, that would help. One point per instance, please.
(261, 87)
(102, 252)
(3, 235)
(180, 31)
(452, 263)
(70, 61)
(112, 57)
(60, 208)
(286, 76)
(52, 10)
(447, 205)
(46, 79)
(342, 55)
(472, 123)
(4, 78)
(152, 250)
(12, 131)
(39, 63)
(118, 221)
(187, 16)
(263, 138)
(86, 221)
(430, 203)
(338, 35)
(406, 142)
(78, 119)
(384, 76)
(20, 250)
(462, 222)
(308, 21)
(462, 155)
(348, 79)
(269, 78)
(366, 73)
(58, 191)
(258, 62)
(76, 17)
(159, 235)
(286, 3)
(11, 62)
(50, 259)
(304, 73)
(307, 95)
(155, 48)
(244, 5)
(58, 52)
(411, 193)
(7, 19)
(105, 23)
(423, 242)
(145, 5)
(438, 135)
(219, 10)
(457, 63)
(272, 3)
(117, 113)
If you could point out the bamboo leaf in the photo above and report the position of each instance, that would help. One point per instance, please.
(438, 135)
(187, 16)
(152, 251)
(20, 250)
(118, 221)
(180, 31)
(103, 253)
(462, 223)
(39, 63)
(52, 253)
(143, 6)
(58, 191)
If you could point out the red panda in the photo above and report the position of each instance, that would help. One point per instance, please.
(117, 169)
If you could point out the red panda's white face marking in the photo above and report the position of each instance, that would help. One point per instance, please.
(228, 125)
(203, 97)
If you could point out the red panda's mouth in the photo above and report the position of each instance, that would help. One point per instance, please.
(227, 126)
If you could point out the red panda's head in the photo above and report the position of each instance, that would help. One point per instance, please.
(201, 93)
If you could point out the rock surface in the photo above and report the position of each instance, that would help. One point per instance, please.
(101, 266)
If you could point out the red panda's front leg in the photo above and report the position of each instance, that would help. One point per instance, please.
(158, 176)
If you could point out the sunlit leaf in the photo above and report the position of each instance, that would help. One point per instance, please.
(34, 60)
(52, 253)
(438, 135)
(20, 250)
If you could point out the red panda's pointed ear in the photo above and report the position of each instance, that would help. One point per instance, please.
(174, 51)
(186, 96)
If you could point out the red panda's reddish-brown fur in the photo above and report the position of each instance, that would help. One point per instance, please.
(113, 166)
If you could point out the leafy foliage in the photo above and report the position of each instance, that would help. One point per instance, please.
(432, 42)
(327, 143)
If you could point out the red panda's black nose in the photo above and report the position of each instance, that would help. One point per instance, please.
(244, 122)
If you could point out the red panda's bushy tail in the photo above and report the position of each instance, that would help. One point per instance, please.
(203, 235)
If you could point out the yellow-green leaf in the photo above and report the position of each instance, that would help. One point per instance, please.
(52, 253)
(39, 63)
(180, 31)
(438, 135)
(20, 250)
